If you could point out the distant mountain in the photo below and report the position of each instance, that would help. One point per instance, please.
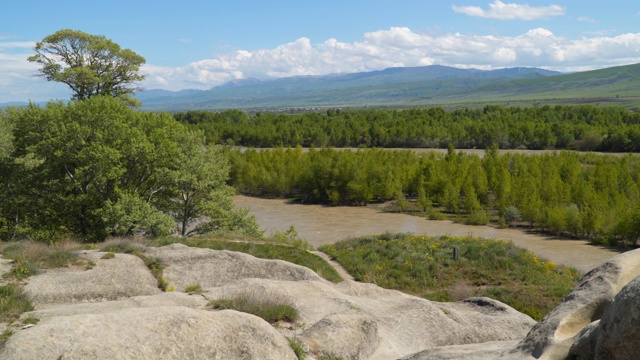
(410, 86)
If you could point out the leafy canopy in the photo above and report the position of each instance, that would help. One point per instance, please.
(97, 168)
(89, 64)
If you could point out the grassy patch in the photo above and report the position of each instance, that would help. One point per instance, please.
(297, 349)
(193, 289)
(13, 302)
(424, 266)
(271, 307)
(30, 257)
(270, 251)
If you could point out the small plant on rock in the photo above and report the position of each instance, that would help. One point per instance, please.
(269, 306)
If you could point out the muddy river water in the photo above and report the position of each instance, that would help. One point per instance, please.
(324, 224)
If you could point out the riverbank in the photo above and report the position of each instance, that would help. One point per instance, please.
(326, 224)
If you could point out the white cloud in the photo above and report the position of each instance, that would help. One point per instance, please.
(501, 11)
(400, 46)
(586, 19)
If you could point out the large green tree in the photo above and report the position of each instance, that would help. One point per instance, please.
(89, 64)
(96, 167)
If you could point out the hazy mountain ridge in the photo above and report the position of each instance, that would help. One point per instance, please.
(389, 86)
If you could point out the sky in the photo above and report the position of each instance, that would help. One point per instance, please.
(199, 44)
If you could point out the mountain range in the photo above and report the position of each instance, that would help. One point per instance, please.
(402, 87)
(410, 87)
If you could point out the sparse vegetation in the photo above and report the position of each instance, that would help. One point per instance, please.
(424, 266)
(193, 289)
(13, 302)
(269, 306)
(297, 349)
(29, 257)
(269, 251)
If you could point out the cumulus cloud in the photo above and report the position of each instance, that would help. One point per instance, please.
(501, 11)
(400, 46)
(394, 47)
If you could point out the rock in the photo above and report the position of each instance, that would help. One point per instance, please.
(405, 324)
(165, 332)
(110, 279)
(617, 335)
(555, 334)
(598, 318)
(351, 336)
(184, 266)
(481, 351)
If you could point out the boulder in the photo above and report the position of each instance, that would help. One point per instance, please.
(164, 332)
(405, 324)
(184, 266)
(109, 279)
(556, 333)
(619, 330)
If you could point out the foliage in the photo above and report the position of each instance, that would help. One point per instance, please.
(297, 349)
(424, 266)
(13, 302)
(269, 306)
(96, 168)
(566, 193)
(29, 257)
(291, 238)
(91, 65)
(581, 127)
(193, 289)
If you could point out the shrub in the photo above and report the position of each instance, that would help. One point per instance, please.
(193, 289)
(13, 302)
(269, 306)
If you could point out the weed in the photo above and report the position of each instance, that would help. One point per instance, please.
(108, 255)
(297, 349)
(30, 321)
(5, 336)
(13, 302)
(269, 306)
(193, 289)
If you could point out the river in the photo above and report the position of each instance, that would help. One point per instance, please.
(326, 224)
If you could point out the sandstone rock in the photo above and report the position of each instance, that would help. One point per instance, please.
(555, 334)
(405, 324)
(166, 332)
(481, 351)
(351, 336)
(617, 335)
(110, 279)
(185, 265)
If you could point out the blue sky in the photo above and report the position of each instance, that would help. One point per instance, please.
(201, 44)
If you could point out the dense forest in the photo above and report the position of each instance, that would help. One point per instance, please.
(584, 195)
(584, 127)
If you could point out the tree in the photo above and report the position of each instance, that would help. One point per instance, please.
(96, 168)
(89, 64)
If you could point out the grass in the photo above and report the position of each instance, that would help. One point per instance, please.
(13, 302)
(297, 349)
(269, 251)
(270, 307)
(193, 289)
(29, 257)
(424, 266)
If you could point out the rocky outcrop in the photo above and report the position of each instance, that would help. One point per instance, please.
(100, 280)
(163, 332)
(114, 310)
(598, 319)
